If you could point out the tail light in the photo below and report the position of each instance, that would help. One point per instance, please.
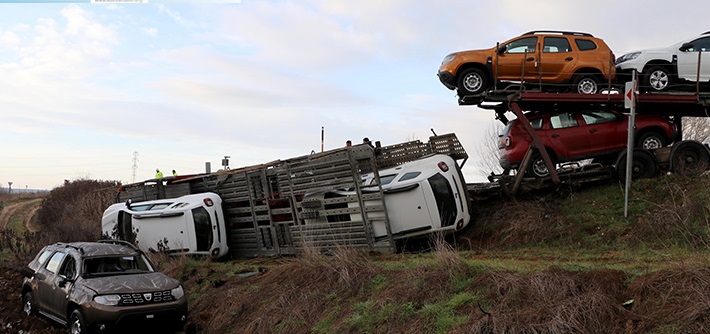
(208, 202)
(507, 142)
(443, 166)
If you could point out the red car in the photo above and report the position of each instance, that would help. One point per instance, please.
(577, 134)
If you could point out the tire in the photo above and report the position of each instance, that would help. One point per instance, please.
(77, 325)
(28, 306)
(586, 83)
(689, 159)
(538, 168)
(651, 140)
(472, 81)
(643, 165)
(657, 79)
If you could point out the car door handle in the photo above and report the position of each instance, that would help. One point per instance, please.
(530, 59)
(554, 135)
(593, 130)
(569, 59)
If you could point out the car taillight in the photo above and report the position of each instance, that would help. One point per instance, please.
(208, 201)
(443, 166)
(507, 142)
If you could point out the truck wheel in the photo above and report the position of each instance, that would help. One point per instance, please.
(586, 83)
(657, 78)
(77, 325)
(643, 165)
(651, 140)
(689, 159)
(472, 81)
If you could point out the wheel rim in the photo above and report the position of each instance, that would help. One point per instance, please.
(658, 79)
(587, 86)
(689, 162)
(539, 168)
(27, 306)
(75, 325)
(651, 143)
(472, 82)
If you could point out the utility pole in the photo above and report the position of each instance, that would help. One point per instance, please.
(9, 187)
(135, 166)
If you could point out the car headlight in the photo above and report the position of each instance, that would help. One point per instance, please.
(628, 56)
(177, 292)
(108, 299)
(448, 59)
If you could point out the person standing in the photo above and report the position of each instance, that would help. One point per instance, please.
(158, 174)
(174, 173)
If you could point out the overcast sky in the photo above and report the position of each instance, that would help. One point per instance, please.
(84, 86)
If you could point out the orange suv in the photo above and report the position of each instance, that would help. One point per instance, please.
(549, 57)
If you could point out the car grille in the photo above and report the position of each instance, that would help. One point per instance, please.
(146, 298)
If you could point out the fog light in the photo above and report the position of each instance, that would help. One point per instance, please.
(102, 327)
(215, 252)
(459, 224)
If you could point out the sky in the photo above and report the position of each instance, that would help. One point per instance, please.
(112, 91)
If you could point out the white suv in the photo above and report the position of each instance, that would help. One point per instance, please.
(661, 69)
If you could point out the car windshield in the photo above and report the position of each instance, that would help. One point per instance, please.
(115, 265)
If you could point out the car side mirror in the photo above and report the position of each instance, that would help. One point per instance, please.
(63, 280)
(27, 272)
(501, 49)
(128, 203)
(686, 46)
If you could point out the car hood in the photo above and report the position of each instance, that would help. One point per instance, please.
(142, 282)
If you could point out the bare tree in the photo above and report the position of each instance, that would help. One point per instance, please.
(696, 128)
(487, 150)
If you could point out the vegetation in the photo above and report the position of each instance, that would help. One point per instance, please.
(567, 262)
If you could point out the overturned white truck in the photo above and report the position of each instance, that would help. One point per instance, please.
(359, 196)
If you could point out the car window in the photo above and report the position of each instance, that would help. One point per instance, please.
(521, 45)
(556, 44)
(585, 44)
(598, 116)
(113, 265)
(43, 257)
(55, 261)
(68, 268)
(409, 176)
(563, 120)
(700, 44)
(536, 123)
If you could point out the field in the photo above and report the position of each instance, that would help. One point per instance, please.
(562, 262)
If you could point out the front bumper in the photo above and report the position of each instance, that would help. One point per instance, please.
(448, 79)
(124, 319)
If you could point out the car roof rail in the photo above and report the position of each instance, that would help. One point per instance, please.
(705, 33)
(119, 242)
(575, 33)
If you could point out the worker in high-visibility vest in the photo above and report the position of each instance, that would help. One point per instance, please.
(158, 174)
(174, 173)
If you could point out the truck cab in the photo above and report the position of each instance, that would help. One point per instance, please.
(191, 224)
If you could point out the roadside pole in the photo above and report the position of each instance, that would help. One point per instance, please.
(630, 103)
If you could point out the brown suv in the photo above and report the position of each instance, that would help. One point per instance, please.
(107, 286)
(549, 57)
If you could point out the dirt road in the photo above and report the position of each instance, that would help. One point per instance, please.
(25, 208)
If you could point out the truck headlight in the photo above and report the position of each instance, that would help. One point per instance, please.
(107, 299)
(177, 292)
(627, 57)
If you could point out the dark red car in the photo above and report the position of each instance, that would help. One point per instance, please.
(580, 133)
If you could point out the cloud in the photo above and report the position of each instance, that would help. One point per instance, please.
(152, 32)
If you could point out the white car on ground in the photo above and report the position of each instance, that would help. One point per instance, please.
(664, 68)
